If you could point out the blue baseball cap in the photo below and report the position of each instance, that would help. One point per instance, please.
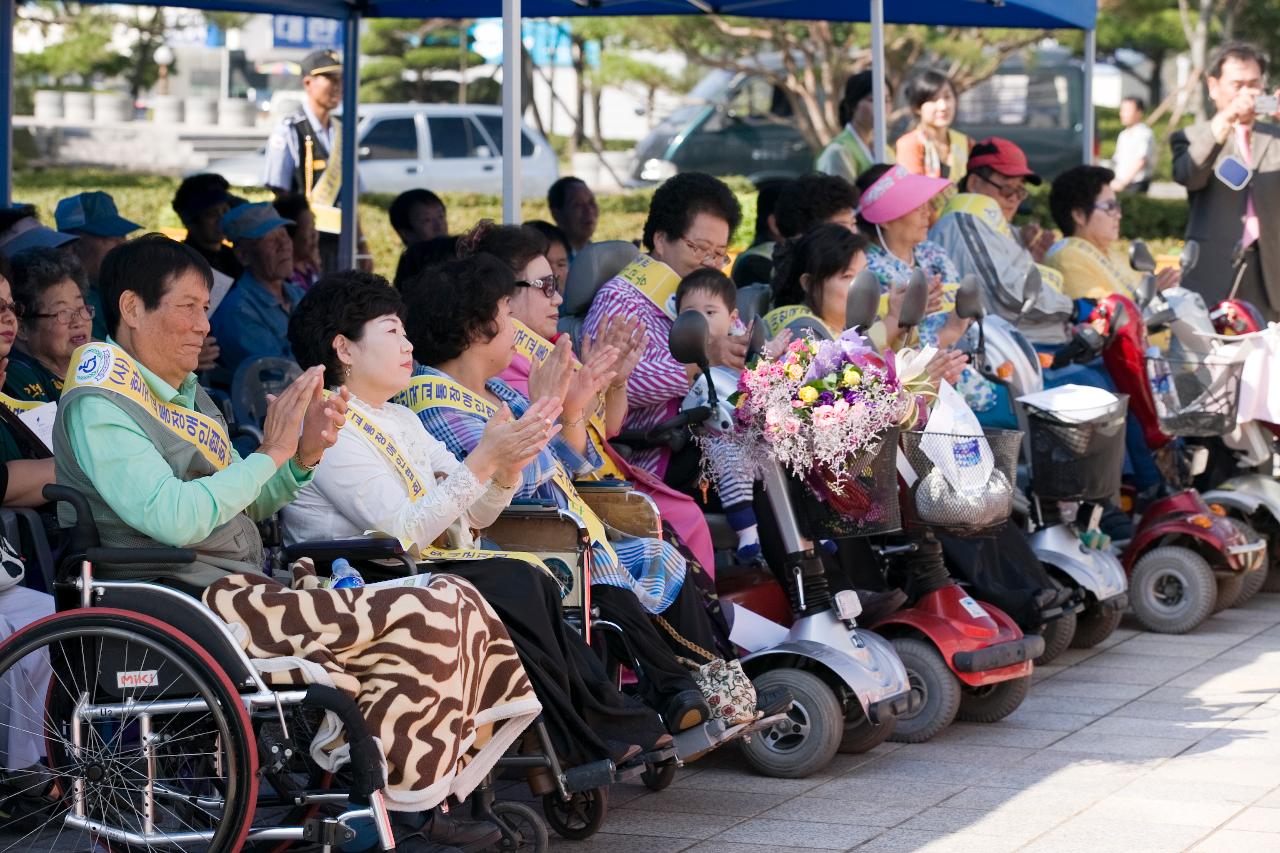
(92, 213)
(251, 221)
(28, 233)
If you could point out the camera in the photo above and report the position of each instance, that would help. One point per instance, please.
(1265, 105)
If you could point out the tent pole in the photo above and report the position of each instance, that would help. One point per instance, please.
(7, 14)
(877, 79)
(350, 119)
(1090, 58)
(512, 65)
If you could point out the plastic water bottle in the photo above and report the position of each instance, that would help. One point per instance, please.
(344, 576)
(1160, 381)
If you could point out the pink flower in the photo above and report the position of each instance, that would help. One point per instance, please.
(791, 426)
(796, 404)
(796, 346)
(826, 416)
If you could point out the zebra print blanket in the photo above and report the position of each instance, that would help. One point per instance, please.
(429, 663)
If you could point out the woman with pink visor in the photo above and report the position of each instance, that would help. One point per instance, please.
(895, 213)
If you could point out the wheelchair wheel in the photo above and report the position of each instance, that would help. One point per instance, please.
(142, 729)
(522, 829)
(659, 776)
(579, 818)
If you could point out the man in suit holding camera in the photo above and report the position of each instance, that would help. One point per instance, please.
(1230, 166)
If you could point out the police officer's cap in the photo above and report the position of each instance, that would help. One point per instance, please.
(321, 62)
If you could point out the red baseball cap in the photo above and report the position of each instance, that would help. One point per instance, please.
(1002, 156)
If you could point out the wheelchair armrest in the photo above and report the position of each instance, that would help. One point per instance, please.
(622, 507)
(366, 548)
(538, 528)
(132, 556)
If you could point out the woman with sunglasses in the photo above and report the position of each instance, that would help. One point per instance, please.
(49, 287)
(1085, 207)
(534, 306)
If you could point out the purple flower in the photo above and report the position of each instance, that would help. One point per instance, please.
(826, 398)
(827, 358)
(850, 396)
(891, 367)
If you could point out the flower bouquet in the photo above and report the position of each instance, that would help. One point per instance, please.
(828, 411)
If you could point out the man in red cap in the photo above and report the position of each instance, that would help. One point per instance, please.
(975, 229)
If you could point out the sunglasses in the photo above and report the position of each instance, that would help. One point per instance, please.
(548, 284)
(1016, 192)
(1112, 206)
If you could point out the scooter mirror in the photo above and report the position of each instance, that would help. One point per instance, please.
(1031, 288)
(969, 298)
(688, 339)
(1190, 256)
(915, 301)
(863, 302)
(1140, 257)
(1147, 288)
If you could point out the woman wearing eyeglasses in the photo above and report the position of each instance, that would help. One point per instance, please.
(1085, 207)
(48, 288)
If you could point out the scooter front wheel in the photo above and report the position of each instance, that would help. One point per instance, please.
(993, 702)
(862, 735)
(807, 739)
(1058, 634)
(1172, 590)
(1094, 624)
(1230, 591)
(934, 686)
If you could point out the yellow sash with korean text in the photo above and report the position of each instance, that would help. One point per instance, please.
(779, 318)
(426, 392)
(369, 430)
(537, 349)
(656, 280)
(14, 405)
(107, 366)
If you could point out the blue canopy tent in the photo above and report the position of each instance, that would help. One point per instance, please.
(1013, 14)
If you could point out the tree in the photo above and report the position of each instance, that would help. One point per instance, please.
(815, 57)
(1150, 27)
(403, 55)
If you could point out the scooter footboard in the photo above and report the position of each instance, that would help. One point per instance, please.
(869, 666)
(1096, 572)
(1006, 654)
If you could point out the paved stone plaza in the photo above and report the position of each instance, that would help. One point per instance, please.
(1151, 743)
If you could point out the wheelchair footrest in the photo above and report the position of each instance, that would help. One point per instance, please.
(584, 777)
(699, 739)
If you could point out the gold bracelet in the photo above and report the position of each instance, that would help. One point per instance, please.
(567, 424)
(297, 459)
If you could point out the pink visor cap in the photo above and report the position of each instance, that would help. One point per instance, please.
(896, 193)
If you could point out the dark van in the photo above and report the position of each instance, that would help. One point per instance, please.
(740, 124)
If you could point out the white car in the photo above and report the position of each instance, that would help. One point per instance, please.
(441, 147)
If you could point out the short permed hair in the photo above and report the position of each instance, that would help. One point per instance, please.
(1077, 188)
(676, 203)
(455, 304)
(811, 199)
(36, 270)
(514, 245)
(707, 280)
(402, 206)
(146, 265)
(340, 303)
(1241, 51)
(423, 254)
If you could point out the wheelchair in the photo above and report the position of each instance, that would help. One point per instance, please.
(160, 733)
(574, 800)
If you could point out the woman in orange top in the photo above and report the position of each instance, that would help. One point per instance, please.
(932, 147)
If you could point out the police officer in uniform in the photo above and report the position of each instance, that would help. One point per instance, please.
(304, 152)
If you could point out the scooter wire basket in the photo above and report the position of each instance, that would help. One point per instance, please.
(1194, 396)
(1077, 455)
(964, 483)
(864, 503)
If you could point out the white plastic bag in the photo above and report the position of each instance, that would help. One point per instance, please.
(964, 489)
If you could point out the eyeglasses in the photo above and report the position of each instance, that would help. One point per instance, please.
(707, 255)
(11, 306)
(67, 316)
(1017, 192)
(548, 284)
(1112, 206)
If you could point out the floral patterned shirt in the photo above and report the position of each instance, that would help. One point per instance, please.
(932, 258)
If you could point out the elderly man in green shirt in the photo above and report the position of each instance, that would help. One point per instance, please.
(137, 394)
